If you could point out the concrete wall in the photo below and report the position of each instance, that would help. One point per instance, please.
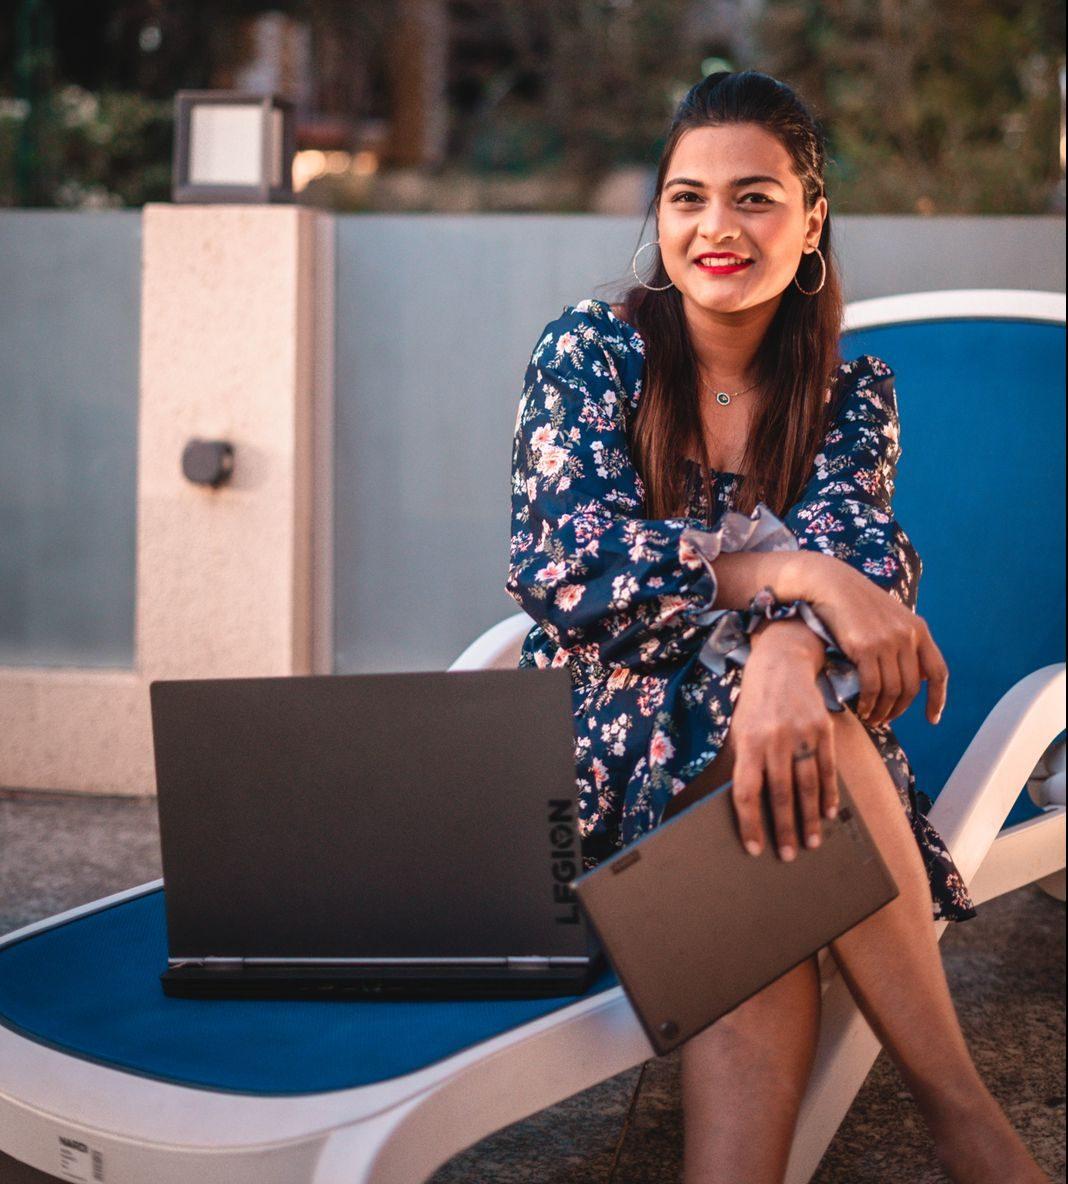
(70, 292)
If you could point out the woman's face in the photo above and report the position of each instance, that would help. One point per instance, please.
(764, 221)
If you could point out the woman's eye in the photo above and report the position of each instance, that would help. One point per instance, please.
(763, 198)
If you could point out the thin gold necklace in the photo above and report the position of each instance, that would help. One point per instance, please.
(722, 397)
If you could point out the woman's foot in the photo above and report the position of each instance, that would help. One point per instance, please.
(980, 1146)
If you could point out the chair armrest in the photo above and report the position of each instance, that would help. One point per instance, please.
(995, 767)
(498, 647)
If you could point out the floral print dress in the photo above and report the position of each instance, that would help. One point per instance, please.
(627, 603)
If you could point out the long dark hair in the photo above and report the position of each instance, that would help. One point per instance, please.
(798, 358)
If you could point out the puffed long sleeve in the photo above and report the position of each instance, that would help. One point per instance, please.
(606, 585)
(846, 510)
(727, 642)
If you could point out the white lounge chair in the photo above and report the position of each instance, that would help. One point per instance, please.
(95, 1066)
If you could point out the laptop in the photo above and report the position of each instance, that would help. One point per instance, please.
(693, 925)
(402, 835)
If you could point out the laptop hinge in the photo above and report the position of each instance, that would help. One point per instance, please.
(219, 962)
(543, 962)
(511, 962)
(213, 962)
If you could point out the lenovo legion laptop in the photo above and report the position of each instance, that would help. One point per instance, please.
(394, 835)
(693, 925)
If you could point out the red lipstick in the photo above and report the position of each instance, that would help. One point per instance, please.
(721, 263)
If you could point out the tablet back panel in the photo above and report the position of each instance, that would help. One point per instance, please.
(693, 924)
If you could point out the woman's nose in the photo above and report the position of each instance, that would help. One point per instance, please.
(719, 221)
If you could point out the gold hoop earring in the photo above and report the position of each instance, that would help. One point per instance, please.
(634, 267)
(823, 276)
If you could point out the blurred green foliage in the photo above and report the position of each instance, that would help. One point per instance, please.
(930, 107)
(516, 140)
(97, 151)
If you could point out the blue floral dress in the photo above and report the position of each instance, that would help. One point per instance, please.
(627, 603)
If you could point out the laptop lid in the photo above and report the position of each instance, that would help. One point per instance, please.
(693, 925)
(370, 818)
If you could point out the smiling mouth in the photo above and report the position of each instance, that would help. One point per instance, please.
(722, 264)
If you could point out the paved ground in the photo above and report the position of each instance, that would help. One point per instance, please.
(1006, 969)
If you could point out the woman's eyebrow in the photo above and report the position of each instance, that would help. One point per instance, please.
(732, 184)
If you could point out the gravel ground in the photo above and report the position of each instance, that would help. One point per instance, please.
(1005, 968)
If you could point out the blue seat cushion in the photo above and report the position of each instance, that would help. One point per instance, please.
(91, 988)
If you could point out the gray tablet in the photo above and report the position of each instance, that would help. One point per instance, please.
(693, 925)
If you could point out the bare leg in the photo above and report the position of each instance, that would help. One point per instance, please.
(893, 967)
(743, 1078)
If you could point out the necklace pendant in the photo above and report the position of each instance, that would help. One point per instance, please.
(723, 398)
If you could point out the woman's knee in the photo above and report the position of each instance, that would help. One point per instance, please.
(859, 762)
(851, 738)
(848, 720)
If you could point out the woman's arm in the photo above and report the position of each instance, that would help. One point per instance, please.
(778, 716)
(857, 573)
(865, 591)
(844, 515)
(846, 509)
(741, 574)
(791, 636)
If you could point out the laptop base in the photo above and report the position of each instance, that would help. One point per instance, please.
(365, 982)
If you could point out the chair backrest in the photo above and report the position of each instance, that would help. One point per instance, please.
(980, 491)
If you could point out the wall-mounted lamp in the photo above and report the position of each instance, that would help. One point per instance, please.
(232, 147)
(208, 462)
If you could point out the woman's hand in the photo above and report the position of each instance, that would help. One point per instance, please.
(780, 712)
(889, 644)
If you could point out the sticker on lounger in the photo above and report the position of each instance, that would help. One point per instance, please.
(79, 1161)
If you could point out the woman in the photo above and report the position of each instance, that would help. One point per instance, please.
(703, 444)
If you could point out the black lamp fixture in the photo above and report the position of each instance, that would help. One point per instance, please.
(208, 462)
(231, 146)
